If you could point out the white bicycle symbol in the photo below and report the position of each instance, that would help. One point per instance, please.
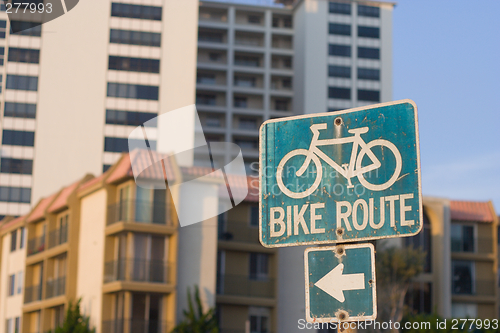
(348, 170)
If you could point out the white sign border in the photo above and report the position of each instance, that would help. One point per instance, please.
(310, 319)
(314, 115)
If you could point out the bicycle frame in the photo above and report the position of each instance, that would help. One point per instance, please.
(347, 170)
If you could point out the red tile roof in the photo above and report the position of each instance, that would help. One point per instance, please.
(38, 212)
(91, 182)
(61, 200)
(12, 222)
(246, 187)
(147, 163)
(471, 211)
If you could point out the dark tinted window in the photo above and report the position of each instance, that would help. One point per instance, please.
(136, 11)
(369, 32)
(368, 95)
(339, 29)
(340, 8)
(24, 55)
(339, 50)
(369, 11)
(120, 145)
(3, 24)
(130, 118)
(2, 50)
(135, 37)
(340, 93)
(22, 82)
(339, 71)
(14, 165)
(13, 240)
(15, 194)
(137, 91)
(134, 64)
(20, 110)
(18, 138)
(368, 74)
(368, 53)
(26, 28)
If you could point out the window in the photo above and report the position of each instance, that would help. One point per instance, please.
(339, 71)
(18, 138)
(419, 297)
(24, 55)
(26, 28)
(17, 323)
(244, 81)
(12, 284)
(131, 118)
(247, 123)
(246, 143)
(13, 241)
(213, 121)
(240, 102)
(368, 74)
(368, 32)
(20, 282)
(17, 166)
(254, 216)
(259, 324)
(136, 11)
(8, 326)
(369, 11)
(215, 57)
(22, 82)
(462, 238)
(464, 310)
(135, 37)
(205, 78)
(134, 64)
(259, 266)
(137, 91)
(2, 54)
(368, 53)
(340, 8)
(20, 110)
(251, 61)
(462, 277)
(422, 241)
(254, 19)
(339, 50)
(368, 95)
(206, 99)
(22, 238)
(15, 194)
(211, 37)
(339, 29)
(281, 105)
(340, 93)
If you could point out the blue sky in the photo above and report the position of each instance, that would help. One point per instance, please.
(447, 59)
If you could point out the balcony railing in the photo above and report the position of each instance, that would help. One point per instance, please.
(242, 285)
(36, 245)
(139, 211)
(474, 288)
(484, 245)
(55, 287)
(239, 232)
(32, 294)
(136, 326)
(139, 270)
(58, 237)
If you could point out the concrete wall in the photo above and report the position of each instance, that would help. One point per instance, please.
(91, 255)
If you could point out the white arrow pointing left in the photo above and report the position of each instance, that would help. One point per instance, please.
(334, 282)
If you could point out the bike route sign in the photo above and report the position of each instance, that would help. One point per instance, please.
(338, 177)
(340, 283)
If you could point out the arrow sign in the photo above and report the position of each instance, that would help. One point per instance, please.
(340, 283)
(334, 283)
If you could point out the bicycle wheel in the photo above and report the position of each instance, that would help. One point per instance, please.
(397, 171)
(281, 167)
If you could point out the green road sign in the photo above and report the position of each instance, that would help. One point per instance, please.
(340, 283)
(338, 177)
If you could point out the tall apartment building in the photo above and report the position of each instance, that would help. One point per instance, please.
(260, 62)
(74, 88)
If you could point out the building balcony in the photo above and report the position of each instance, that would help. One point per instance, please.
(36, 245)
(32, 294)
(136, 326)
(239, 232)
(58, 237)
(139, 212)
(243, 285)
(484, 246)
(138, 270)
(55, 287)
(475, 288)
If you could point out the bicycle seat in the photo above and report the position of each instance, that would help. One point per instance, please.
(360, 130)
